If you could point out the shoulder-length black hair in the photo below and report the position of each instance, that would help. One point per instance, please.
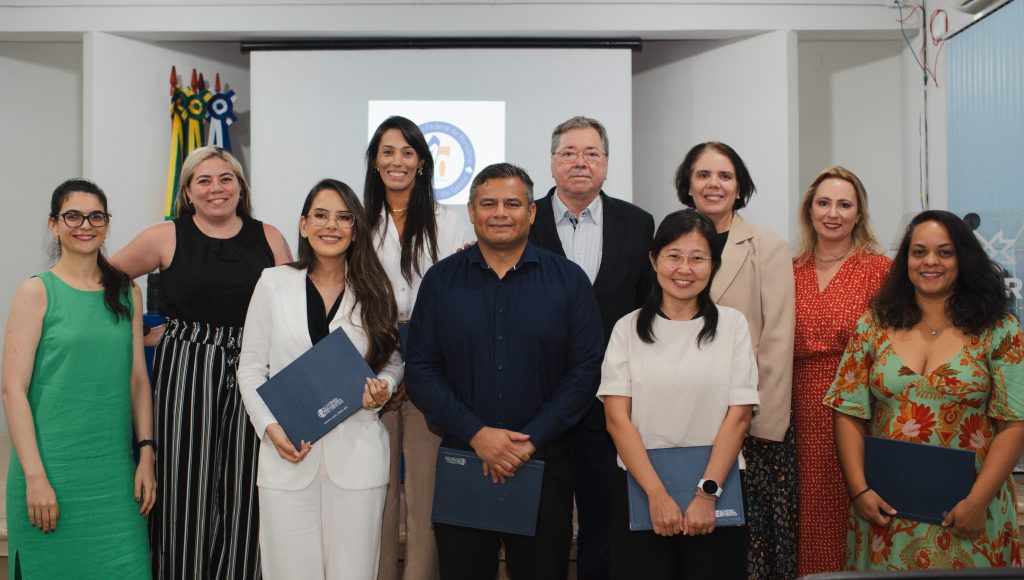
(116, 284)
(364, 275)
(420, 233)
(674, 226)
(979, 298)
(684, 173)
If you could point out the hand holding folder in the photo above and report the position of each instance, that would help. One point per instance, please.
(680, 468)
(464, 497)
(317, 391)
(921, 482)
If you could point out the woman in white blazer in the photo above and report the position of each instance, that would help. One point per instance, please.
(321, 504)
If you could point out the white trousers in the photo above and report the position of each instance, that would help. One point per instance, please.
(322, 532)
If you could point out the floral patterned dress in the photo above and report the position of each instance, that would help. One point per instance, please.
(956, 406)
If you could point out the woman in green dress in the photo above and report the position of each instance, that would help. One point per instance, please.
(938, 360)
(74, 381)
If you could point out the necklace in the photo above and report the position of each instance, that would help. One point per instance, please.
(934, 330)
(827, 259)
(393, 210)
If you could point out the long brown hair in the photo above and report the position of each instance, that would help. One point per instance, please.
(419, 236)
(364, 276)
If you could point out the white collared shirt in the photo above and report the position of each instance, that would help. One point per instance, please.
(581, 241)
(453, 232)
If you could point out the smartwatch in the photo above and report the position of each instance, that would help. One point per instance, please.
(710, 487)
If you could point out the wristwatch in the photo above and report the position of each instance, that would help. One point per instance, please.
(710, 487)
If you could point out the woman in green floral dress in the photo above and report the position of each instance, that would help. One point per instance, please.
(938, 360)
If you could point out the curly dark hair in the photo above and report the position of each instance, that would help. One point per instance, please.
(979, 298)
(674, 226)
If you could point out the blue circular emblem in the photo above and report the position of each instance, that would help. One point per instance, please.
(454, 158)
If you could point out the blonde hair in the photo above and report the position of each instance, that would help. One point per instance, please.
(863, 237)
(188, 169)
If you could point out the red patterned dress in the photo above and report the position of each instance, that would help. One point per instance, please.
(824, 323)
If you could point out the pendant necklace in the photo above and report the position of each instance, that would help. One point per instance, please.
(827, 259)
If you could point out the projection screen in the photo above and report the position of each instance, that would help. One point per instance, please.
(311, 112)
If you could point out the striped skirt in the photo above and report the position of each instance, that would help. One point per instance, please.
(205, 524)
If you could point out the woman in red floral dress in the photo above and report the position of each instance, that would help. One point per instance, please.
(837, 274)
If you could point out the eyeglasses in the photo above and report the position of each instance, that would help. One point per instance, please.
(679, 259)
(320, 217)
(590, 156)
(75, 219)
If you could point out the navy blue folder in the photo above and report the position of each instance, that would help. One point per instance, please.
(463, 496)
(680, 468)
(318, 390)
(921, 482)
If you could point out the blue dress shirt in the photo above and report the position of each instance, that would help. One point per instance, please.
(520, 353)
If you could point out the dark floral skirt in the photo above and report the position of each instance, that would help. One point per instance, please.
(770, 498)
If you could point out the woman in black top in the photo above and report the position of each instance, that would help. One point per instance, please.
(205, 524)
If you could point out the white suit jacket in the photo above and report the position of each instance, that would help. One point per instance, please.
(356, 452)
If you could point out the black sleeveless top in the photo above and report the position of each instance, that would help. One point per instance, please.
(211, 280)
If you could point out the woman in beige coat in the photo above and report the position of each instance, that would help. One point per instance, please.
(756, 278)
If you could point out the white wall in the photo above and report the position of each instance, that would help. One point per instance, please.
(98, 110)
(851, 107)
(127, 124)
(742, 92)
(299, 139)
(40, 146)
(261, 19)
(931, 97)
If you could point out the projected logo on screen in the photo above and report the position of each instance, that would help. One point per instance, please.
(463, 137)
(454, 158)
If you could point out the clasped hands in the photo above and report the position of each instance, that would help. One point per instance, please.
(966, 519)
(502, 451)
(375, 394)
(668, 520)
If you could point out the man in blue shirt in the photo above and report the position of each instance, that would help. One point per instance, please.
(504, 355)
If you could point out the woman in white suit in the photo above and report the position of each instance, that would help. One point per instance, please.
(321, 504)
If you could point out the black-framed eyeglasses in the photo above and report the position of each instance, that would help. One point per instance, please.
(75, 219)
(320, 217)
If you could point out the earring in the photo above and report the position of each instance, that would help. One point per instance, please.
(377, 167)
(420, 171)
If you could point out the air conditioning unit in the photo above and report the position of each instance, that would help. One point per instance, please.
(974, 6)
